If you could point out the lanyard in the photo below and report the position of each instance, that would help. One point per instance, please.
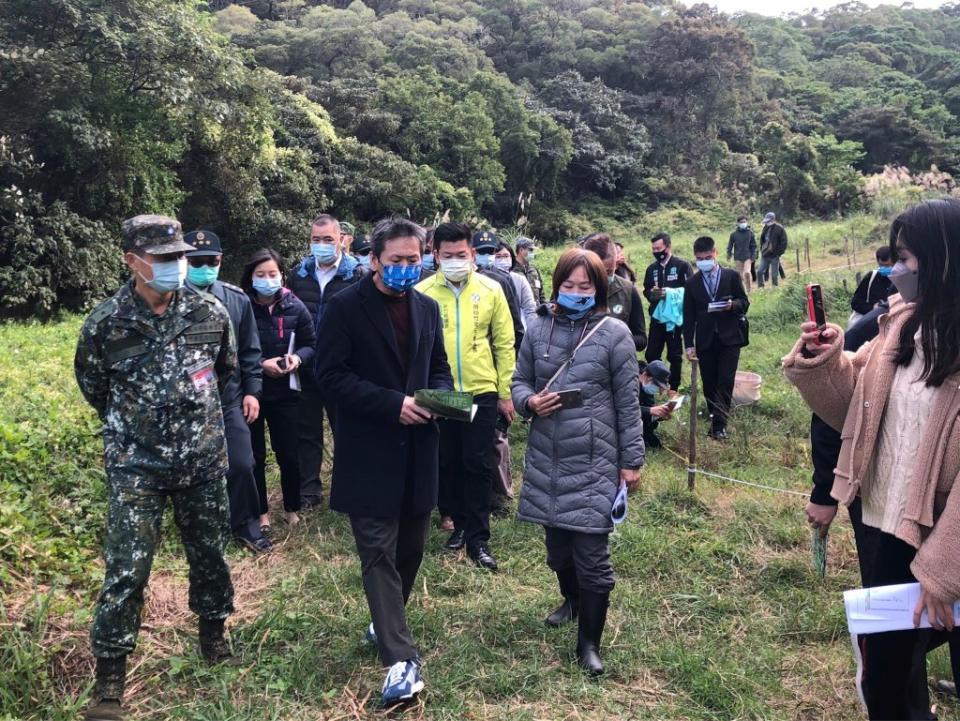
(711, 289)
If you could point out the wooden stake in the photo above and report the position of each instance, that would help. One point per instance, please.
(692, 450)
(806, 245)
(798, 261)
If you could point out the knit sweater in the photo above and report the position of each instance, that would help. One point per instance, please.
(850, 392)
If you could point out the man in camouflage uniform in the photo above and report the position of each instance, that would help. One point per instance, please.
(525, 248)
(150, 361)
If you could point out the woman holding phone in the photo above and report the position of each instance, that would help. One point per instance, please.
(897, 405)
(280, 315)
(576, 377)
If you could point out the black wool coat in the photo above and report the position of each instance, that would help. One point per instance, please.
(702, 329)
(378, 460)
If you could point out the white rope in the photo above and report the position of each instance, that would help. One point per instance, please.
(746, 483)
(836, 267)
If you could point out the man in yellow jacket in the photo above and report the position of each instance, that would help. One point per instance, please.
(478, 338)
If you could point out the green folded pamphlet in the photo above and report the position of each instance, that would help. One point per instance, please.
(452, 405)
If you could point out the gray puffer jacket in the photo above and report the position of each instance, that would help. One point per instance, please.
(574, 456)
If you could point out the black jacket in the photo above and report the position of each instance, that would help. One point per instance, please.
(773, 240)
(647, 401)
(247, 378)
(673, 275)
(289, 314)
(872, 289)
(742, 245)
(623, 302)
(513, 303)
(360, 371)
(702, 329)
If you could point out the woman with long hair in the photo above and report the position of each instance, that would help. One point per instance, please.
(280, 315)
(897, 405)
(585, 444)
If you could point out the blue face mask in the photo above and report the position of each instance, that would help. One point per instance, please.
(325, 253)
(428, 262)
(484, 260)
(651, 388)
(400, 277)
(168, 276)
(575, 305)
(266, 286)
(364, 260)
(885, 270)
(203, 276)
(706, 266)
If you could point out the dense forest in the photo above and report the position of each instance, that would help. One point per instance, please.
(250, 117)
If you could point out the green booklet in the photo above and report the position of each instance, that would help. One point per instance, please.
(451, 405)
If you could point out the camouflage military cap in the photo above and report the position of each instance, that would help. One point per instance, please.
(347, 228)
(156, 234)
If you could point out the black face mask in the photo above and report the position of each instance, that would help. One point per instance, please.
(660, 255)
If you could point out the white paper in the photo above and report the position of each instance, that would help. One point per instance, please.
(295, 375)
(885, 608)
(676, 403)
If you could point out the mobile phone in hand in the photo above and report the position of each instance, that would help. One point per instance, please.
(815, 311)
(282, 363)
(572, 398)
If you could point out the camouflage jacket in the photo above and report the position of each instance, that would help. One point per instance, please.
(154, 381)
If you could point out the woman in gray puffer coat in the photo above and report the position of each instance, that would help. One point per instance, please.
(577, 457)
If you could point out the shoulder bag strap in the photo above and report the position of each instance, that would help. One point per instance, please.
(569, 360)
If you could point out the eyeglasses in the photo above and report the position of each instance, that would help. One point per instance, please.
(198, 261)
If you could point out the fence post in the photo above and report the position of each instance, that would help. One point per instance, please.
(845, 285)
(846, 249)
(806, 245)
(692, 450)
(799, 270)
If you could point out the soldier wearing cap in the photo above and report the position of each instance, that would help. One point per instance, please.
(151, 361)
(654, 378)
(360, 249)
(347, 233)
(525, 249)
(241, 393)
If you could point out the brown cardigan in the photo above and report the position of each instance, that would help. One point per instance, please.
(850, 391)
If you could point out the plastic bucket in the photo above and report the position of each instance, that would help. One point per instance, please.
(746, 388)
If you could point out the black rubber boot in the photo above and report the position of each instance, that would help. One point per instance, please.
(570, 590)
(108, 690)
(593, 617)
(213, 645)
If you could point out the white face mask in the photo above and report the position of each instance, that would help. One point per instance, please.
(503, 263)
(456, 269)
(742, 226)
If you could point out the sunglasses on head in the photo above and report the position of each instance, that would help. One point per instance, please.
(198, 261)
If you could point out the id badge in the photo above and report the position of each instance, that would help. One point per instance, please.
(202, 375)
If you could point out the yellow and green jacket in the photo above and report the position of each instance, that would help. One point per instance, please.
(477, 333)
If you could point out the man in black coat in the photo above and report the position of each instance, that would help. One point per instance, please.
(714, 329)
(383, 341)
(666, 271)
(240, 396)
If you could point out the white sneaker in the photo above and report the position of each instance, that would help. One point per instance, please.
(371, 635)
(402, 683)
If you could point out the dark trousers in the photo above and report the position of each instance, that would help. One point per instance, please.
(660, 337)
(311, 443)
(134, 516)
(281, 417)
(241, 482)
(587, 553)
(466, 454)
(718, 371)
(894, 680)
(390, 551)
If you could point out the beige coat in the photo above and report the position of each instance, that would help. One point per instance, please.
(850, 392)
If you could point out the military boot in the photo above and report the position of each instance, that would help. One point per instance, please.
(213, 645)
(108, 690)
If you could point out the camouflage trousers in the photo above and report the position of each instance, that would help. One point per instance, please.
(134, 515)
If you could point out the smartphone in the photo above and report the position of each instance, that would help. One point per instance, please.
(282, 363)
(815, 309)
(572, 398)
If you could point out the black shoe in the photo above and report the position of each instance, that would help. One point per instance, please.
(213, 644)
(593, 617)
(457, 540)
(719, 434)
(256, 546)
(309, 503)
(500, 511)
(108, 690)
(483, 558)
(570, 589)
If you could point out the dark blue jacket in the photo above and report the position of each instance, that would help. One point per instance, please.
(274, 327)
(379, 462)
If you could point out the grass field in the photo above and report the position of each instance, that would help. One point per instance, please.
(717, 613)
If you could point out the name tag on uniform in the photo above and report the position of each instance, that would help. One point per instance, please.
(673, 274)
(202, 375)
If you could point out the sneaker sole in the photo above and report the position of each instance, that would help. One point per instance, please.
(417, 688)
